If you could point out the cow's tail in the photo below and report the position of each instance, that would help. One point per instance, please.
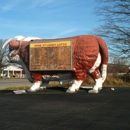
(104, 57)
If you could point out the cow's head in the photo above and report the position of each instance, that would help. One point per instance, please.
(14, 46)
(14, 52)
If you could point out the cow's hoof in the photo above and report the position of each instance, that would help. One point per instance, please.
(70, 91)
(93, 91)
(30, 90)
(42, 88)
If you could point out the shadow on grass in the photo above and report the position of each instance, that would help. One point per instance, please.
(6, 91)
(62, 89)
(10, 90)
(52, 89)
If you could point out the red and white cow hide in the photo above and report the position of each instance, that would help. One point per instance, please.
(89, 54)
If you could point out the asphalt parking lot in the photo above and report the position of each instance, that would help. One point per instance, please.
(53, 109)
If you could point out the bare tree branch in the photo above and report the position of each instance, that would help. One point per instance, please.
(116, 28)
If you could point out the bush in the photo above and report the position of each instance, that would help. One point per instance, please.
(111, 80)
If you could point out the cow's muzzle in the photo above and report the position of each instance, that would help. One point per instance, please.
(13, 57)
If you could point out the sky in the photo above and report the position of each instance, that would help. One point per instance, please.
(47, 18)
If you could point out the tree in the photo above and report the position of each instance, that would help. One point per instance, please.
(115, 15)
(119, 60)
(118, 65)
(3, 54)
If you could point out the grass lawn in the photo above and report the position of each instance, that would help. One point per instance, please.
(111, 81)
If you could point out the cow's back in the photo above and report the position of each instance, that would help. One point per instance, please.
(85, 51)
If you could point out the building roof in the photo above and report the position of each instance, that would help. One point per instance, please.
(12, 68)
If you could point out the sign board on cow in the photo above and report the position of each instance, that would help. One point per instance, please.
(50, 55)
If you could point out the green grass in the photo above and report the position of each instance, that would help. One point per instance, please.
(17, 88)
(111, 81)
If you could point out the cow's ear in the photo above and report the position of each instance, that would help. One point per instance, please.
(14, 44)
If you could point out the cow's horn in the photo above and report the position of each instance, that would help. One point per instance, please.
(15, 38)
(6, 42)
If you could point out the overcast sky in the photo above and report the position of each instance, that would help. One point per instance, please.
(47, 18)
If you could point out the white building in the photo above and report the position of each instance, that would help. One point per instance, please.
(12, 70)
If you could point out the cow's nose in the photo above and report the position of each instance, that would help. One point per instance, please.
(10, 54)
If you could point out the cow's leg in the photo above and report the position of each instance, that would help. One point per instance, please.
(98, 81)
(95, 73)
(104, 72)
(35, 86)
(44, 85)
(80, 76)
(75, 86)
(37, 77)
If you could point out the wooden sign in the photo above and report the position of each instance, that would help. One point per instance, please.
(50, 55)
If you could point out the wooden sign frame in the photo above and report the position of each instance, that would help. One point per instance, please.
(50, 55)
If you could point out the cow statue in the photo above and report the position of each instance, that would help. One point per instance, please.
(89, 55)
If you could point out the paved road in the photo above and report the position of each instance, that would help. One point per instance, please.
(53, 109)
(5, 83)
